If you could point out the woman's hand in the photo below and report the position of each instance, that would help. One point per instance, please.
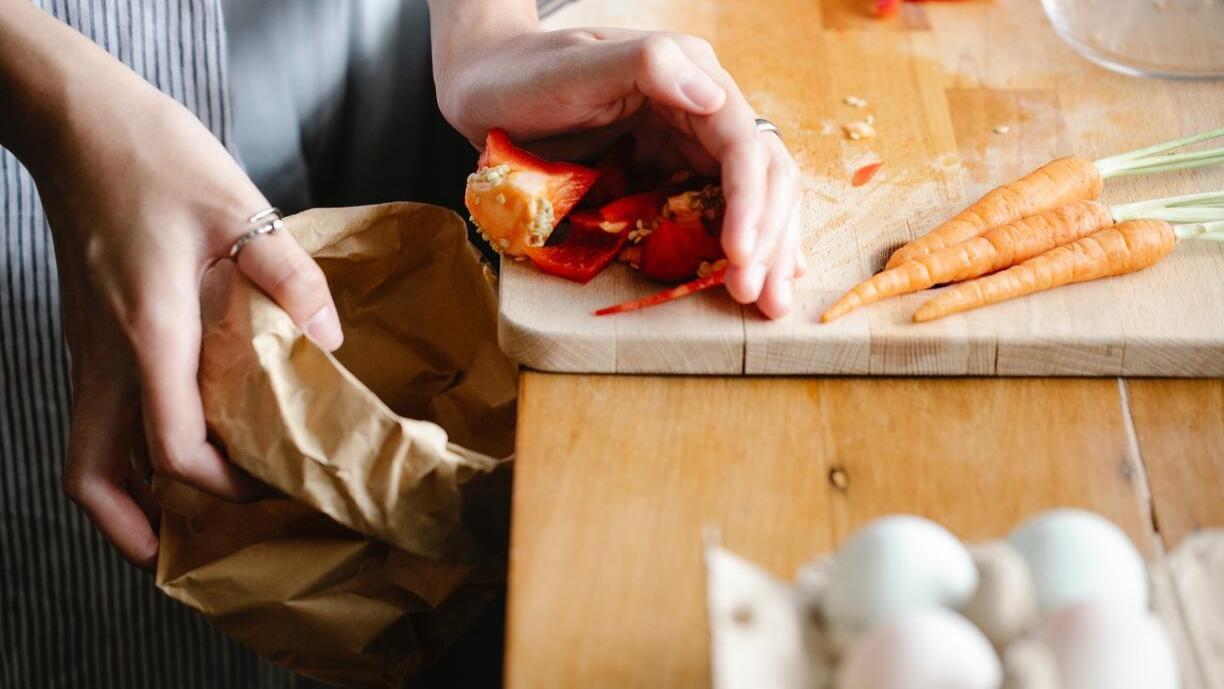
(142, 199)
(571, 92)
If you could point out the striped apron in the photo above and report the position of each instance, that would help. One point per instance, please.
(72, 612)
(345, 116)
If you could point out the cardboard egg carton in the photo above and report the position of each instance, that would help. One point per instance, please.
(765, 632)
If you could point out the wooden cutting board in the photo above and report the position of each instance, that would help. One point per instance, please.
(965, 96)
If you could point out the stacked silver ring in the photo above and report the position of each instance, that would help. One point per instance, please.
(265, 221)
(764, 125)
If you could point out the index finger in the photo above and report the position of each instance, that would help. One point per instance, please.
(731, 137)
(174, 413)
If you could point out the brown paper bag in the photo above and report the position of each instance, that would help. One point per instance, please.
(389, 536)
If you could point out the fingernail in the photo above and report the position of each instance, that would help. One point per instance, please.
(701, 90)
(324, 328)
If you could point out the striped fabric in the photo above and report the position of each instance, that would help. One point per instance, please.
(72, 613)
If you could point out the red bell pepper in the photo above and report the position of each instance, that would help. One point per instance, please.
(714, 279)
(675, 249)
(584, 253)
(624, 213)
(517, 199)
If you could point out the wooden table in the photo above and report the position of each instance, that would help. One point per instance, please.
(617, 476)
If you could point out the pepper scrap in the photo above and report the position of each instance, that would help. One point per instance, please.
(714, 279)
(517, 199)
(686, 235)
(864, 174)
(584, 253)
(887, 8)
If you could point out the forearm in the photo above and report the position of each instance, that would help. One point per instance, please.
(50, 75)
(459, 26)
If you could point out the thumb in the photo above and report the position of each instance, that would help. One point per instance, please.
(657, 67)
(281, 268)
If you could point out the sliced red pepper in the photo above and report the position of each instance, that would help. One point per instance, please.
(864, 174)
(674, 250)
(614, 173)
(519, 206)
(584, 253)
(714, 279)
(626, 212)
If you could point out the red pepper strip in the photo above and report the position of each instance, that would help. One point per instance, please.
(864, 174)
(613, 182)
(584, 253)
(567, 183)
(678, 292)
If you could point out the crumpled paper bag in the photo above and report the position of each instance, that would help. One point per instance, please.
(389, 533)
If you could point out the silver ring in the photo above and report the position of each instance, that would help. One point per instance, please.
(764, 125)
(270, 221)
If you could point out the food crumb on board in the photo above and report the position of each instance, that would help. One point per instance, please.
(859, 130)
(855, 102)
(1002, 129)
(706, 268)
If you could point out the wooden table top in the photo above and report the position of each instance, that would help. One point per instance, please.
(617, 476)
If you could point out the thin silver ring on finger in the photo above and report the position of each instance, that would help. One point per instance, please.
(265, 221)
(764, 125)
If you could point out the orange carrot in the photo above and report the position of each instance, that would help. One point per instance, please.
(1054, 184)
(995, 250)
(1123, 248)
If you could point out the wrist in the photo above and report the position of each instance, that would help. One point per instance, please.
(464, 32)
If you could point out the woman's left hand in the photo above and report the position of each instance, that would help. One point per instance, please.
(570, 93)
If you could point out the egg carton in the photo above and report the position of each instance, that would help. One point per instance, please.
(770, 633)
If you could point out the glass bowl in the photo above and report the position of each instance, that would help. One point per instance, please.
(1182, 39)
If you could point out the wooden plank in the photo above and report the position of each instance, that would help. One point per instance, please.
(1180, 428)
(612, 492)
(938, 80)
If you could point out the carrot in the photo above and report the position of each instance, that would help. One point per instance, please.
(1123, 248)
(714, 279)
(995, 250)
(1054, 184)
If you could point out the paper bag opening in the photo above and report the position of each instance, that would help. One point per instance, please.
(390, 534)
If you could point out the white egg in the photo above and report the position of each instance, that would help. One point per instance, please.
(933, 649)
(1029, 664)
(893, 566)
(1103, 645)
(1075, 556)
(1004, 606)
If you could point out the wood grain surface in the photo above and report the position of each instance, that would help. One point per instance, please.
(617, 477)
(938, 81)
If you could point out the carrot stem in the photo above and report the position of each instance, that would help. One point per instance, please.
(1163, 163)
(1162, 147)
(1210, 231)
(1200, 207)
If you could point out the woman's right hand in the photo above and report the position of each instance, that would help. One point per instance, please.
(142, 199)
